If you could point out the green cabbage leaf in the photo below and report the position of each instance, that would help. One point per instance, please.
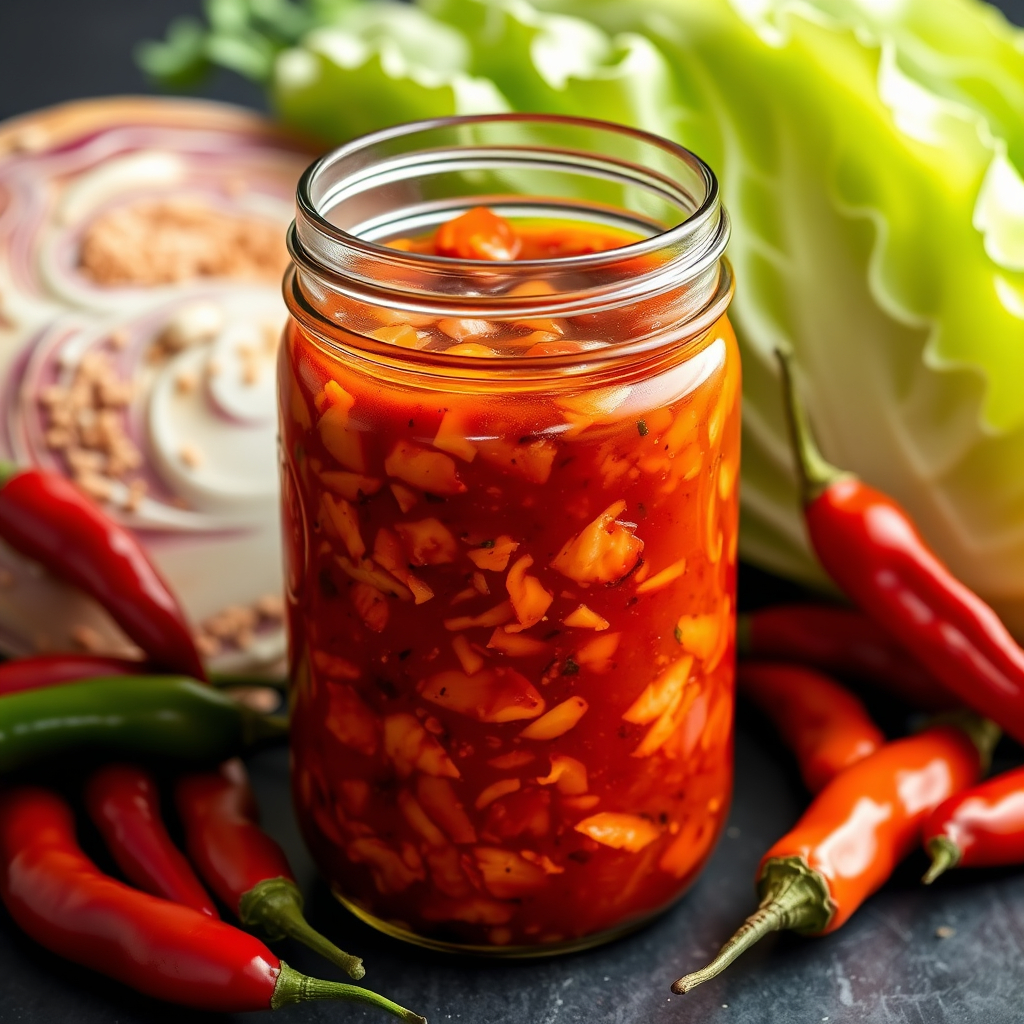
(870, 154)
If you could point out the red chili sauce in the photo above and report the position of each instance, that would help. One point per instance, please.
(511, 618)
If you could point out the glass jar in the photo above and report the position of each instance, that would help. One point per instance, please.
(510, 515)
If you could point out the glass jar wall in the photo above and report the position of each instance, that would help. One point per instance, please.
(509, 398)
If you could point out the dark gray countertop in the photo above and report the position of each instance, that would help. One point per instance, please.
(886, 966)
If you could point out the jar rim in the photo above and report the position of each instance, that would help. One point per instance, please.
(699, 225)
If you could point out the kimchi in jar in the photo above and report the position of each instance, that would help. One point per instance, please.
(510, 428)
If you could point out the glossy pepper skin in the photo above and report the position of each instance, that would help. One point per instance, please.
(61, 899)
(42, 670)
(870, 547)
(124, 804)
(846, 844)
(869, 818)
(842, 641)
(146, 716)
(978, 827)
(244, 866)
(49, 520)
(826, 726)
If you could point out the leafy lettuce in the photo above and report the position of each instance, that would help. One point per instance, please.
(870, 153)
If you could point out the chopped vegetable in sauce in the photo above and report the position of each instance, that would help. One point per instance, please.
(513, 723)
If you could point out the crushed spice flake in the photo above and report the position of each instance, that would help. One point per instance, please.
(270, 606)
(85, 423)
(155, 242)
(236, 626)
(641, 427)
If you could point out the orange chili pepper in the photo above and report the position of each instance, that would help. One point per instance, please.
(826, 726)
(855, 832)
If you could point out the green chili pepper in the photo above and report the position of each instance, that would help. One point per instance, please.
(159, 716)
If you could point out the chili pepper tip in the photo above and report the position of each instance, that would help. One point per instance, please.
(793, 896)
(945, 854)
(275, 905)
(293, 987)
(816, 474)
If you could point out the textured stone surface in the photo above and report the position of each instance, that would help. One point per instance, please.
(887, 965)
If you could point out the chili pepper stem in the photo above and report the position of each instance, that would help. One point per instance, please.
(945, 854)
(793, 896)
(260, 729)
(275, 906)
(982, 732)
(293, 987)
(816, 475)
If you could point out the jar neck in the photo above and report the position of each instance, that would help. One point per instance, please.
(644, 352)
(408, 180)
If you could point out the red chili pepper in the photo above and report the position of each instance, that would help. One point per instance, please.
(855, 831)
(61, 899)
(872, 550)
(43, 670)
(979, 827)
(51, 521)
(243, 866)
(825, 726)
(843, 641)
(124, 804)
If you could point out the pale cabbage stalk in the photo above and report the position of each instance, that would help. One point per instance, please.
(870, 155)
